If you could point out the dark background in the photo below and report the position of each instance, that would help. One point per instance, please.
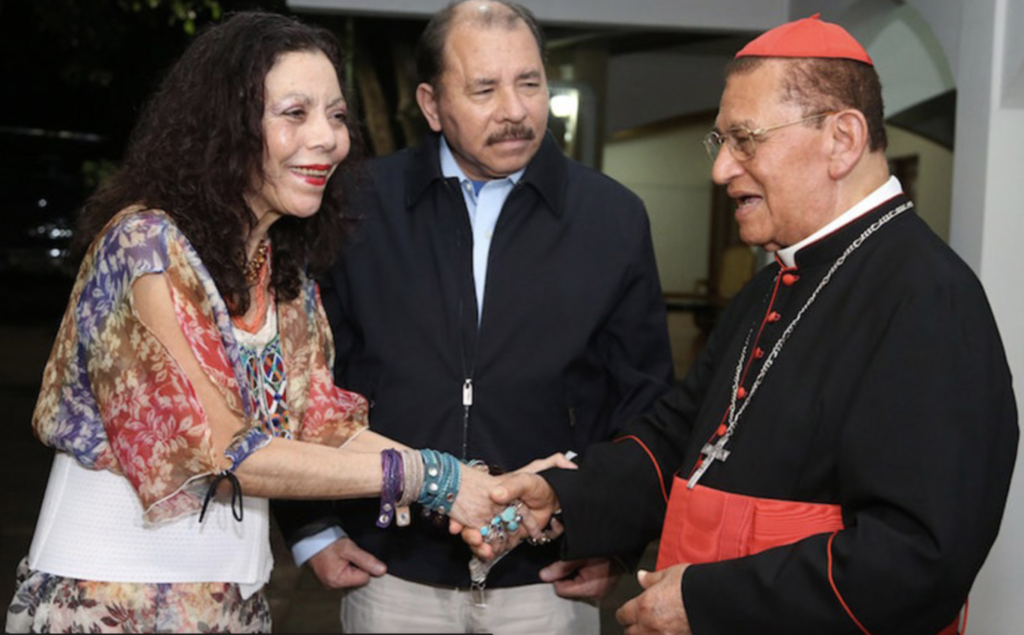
(75, 75)
(87, 65)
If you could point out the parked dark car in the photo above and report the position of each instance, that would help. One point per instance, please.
(44, 178)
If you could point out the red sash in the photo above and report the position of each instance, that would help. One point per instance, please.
(708, 525)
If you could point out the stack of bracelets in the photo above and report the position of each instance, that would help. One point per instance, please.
(427, 477)
(432, 479)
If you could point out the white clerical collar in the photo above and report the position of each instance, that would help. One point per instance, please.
(450, 167)
(890, 189)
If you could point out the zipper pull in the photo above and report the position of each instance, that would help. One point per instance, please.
(467, 393)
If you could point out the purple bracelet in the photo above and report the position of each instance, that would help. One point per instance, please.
(391, 485)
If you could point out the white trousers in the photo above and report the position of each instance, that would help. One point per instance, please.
(392, 605)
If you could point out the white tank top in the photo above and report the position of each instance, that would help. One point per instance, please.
(90, 527)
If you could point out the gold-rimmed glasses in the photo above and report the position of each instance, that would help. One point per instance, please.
(742, 141)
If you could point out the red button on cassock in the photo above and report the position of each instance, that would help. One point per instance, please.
(774, 316)
(789, 279)
(741, 392)
(758, 353)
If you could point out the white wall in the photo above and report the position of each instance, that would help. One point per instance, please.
(942, 16)
(672, 174)
(987, 227)
(908, 57)
(934, 196)
(911, 62)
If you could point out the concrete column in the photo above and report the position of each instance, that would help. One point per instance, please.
(987, 227)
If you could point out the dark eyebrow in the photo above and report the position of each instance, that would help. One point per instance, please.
(489, 82)
(482, 82)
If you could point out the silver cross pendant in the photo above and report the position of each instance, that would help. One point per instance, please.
(716, 452)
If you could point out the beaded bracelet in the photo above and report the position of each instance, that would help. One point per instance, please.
(504, 524)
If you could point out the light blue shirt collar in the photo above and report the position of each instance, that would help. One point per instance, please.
(450, 167)
(484, 202)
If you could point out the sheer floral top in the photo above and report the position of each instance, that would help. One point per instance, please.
(113, 398)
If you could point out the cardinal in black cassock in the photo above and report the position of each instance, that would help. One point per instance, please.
(838, 458)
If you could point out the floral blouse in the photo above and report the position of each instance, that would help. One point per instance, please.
(115, 399)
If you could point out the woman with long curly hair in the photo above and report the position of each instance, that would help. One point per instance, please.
(193, 363)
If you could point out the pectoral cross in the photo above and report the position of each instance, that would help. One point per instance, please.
(709, 453)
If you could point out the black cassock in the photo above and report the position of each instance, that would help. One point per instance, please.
(891, 398)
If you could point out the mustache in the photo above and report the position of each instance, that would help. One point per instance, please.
(510, 133)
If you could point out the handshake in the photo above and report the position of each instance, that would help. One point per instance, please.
(494, 514)
(517, 506)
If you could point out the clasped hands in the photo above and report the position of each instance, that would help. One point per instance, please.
(521, 506)
(495, 514)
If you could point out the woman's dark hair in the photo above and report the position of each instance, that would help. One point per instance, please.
(197, 150)
(430, 46)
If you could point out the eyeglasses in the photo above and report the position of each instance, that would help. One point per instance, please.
(742, 141)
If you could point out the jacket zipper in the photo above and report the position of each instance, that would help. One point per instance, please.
(455, 192)
(467, 384)
(467, 403)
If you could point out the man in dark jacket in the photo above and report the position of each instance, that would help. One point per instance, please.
(500, 302)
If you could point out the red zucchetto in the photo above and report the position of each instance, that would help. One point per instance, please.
(809, 37)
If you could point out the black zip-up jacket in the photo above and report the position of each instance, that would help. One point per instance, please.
(572, 341)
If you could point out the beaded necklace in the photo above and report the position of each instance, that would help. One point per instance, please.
(717, 452)
(259, 289)
(254, 266)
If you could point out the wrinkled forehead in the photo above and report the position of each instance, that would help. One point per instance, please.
(753, 98)
(472, 50)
